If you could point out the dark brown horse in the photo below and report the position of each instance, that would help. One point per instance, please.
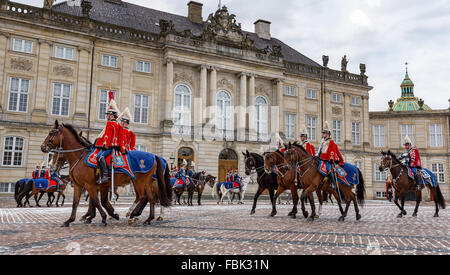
(254, 163)
(402, 184)
(63, 139)
(197, 184)
(311, 178)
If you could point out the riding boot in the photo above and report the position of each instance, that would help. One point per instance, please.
(417, 179)
(332, 181)
(104, 171)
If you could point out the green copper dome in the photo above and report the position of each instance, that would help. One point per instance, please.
(408, 102)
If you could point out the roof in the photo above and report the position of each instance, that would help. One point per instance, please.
(147, 19)
(408, 102)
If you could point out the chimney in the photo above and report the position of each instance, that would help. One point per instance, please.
(262, 29)
(195, 12)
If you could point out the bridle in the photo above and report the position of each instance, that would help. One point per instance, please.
(394, 181)
(257, 169)
(300, 163)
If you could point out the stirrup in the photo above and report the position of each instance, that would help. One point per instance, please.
(104, 179)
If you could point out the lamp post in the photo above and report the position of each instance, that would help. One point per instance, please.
(172, 160)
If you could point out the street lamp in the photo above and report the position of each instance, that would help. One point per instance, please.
(172, 160)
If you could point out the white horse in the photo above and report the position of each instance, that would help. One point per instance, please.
(230, 192)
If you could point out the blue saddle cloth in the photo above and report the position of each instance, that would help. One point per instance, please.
(427, 177)
(23, 182)
(348, 174)
(43, 184)
(230, 185)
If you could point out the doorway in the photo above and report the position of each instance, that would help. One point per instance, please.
(228, 160)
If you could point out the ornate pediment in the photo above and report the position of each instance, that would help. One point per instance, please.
(183, 77)
(226, 84)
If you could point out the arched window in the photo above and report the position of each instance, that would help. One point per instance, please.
(262, 117)
(182, 108)
(224, 113)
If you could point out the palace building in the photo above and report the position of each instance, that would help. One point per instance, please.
(200, 88)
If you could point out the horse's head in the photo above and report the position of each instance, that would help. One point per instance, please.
(291, 155)
(386, 161)
(211, 180)
(250, 163)
(270, 161)
(53, 139)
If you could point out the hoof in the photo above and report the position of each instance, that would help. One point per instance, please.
(82, 219)
(103, 224)
(404, 213)
(87, 221)
(147, 223)
(294, 216)
(399, 216)
(160, 219)
(290, 214)
(273, 214)
(414, 215)
(252, 212)
(65, 225)
(341, 219)
(305, 214)
(116, 217)
(316, 216)
(311, 219)
(436, 215)
(358, 217)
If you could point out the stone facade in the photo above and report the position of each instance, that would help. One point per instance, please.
(219, 56)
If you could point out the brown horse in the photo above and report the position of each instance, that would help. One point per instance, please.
(63, 139)
(402, 184)
(311, 179)
(197, 184)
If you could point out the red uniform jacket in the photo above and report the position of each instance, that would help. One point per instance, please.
(128, 139)
(415, 158)
(310, 148)
(330, 152)
(111, 136)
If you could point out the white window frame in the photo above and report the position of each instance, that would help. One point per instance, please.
(379, 136)
(13, 151)
(290, 90)
(10, 187)
(141, 110)
(311, 94)
(22, 48)
(61, 99)
(182, 112)
(141, 148)
(65, 51)
(356, 133)
(337, 131)
(143, 66)
(436, 135)
(289, 122)
(379, 176)
(262, 118)
(406, 129)
(101, 110)
(110, 59)
(19, 93)
(224, 119)
(311, 126)
(337, 98)
(356, 101)
(439, 170)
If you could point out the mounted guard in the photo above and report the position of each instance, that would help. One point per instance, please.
(412, 160)
(109, 139)
(127, 136)
(330, 155)
(306, 144)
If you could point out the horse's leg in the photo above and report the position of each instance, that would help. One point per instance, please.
(355, 204)
(295, 199)
(133, 206)
(37, 200)
(308, 194)
(64, 198)
(57, 200)
(320, 197)
(89, 213)
(255, 199)
(151, 199)
(402, 201)
(93, 193)
(106, 203)
(433, 191)
(76, 200)
(200, 193)
(274, 199)
(418, 195)
(338, 199)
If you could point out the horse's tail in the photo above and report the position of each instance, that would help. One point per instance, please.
(163, 195)
(360, 189)
(167, 183)
(16, 190)
(213, 192)
(440, 198)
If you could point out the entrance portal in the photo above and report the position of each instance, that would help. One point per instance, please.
(228, 160)
(187, 154)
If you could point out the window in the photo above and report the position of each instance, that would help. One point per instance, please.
(311, 94)
(110, 61)
(18, 95)
(262, 114)
(438, 170)
(13, 151)
(224, 113)
(61, 99)
(379, 176)
(143, 67)
(21, 45)
(407, 130)
(356, 133)
(379, 136)
(381, 195)
(104, 103)
(337, 130)
(436, 135)
(141, 109)
(337, 98)
(182, 109)
(356, 101)
(311, 126)
(290, 90)
(290, 126)
(6, 187)
(141, 148)
(64, 52)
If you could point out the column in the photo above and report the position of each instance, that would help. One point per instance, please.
(169, 90)
(203, 90)
(82, 92)
(243, 105)
(347, 122)
(365, 138)
(213, 87)
(41, 91)
(4, 38)
(279, 84)
(251, 109)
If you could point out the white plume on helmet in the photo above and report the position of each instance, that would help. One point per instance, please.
(304, 132)
(326, 127)
(407, 140)
(126, 114)
(113, 106)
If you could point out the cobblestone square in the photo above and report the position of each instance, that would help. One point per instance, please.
(214, 229)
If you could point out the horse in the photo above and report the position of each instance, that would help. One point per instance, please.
(311, 178)
(63, 139)
(255, 162)
(402, 183)
(229, 192)
(196, 183)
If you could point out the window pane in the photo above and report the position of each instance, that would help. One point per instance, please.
(28, 46)
(17, 45)
(13, 97)
(15, 84)
(25, 86)
(23, 102)
(69, 53)
(59, 52)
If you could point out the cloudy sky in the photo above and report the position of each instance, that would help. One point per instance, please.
(383, 34)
